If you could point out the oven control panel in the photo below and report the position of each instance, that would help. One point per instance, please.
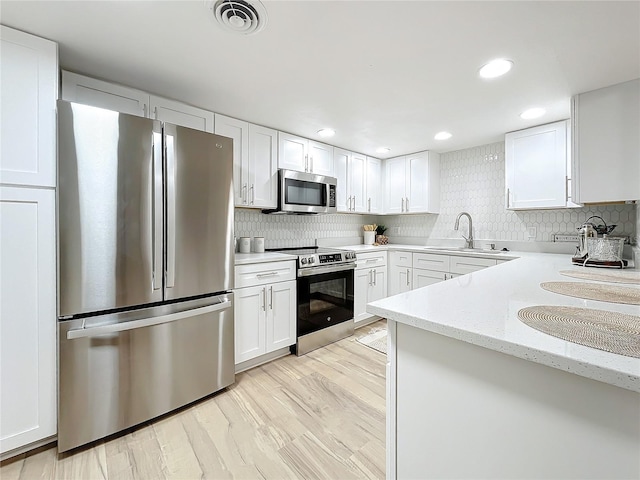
(326, 258)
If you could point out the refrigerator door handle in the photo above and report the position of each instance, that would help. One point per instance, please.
(157, 208)
(171, 205)
(145, 322)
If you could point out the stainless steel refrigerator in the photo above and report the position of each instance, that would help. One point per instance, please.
(145, 235)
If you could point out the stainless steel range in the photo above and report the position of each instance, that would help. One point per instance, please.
(325, 296)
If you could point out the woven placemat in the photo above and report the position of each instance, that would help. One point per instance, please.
(622, 277)
(609, 331)
(595, 291)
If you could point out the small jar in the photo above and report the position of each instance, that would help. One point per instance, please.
(244, 245)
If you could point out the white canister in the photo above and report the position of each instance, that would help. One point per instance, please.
(369, 238)
(244, 245)
(258, 244)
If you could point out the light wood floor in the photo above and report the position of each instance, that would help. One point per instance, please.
(320, 416)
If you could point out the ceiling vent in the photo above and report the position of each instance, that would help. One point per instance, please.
(239, 16)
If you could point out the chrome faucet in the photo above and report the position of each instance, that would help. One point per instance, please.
(469, 239)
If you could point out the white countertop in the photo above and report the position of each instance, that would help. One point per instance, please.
(481, 308)
(478, 253)
(248, 258)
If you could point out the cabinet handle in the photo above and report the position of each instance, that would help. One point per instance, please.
(155, 112)
(264, 299)
(370, 281)
(306, 163)
(407, 204)
(374, 277)
(407, 277)
(508, 197)
(369, 205)
(144, 110)
(271, 298)
(244, 193)
(268, 274)
(253, 194)
(567, 188)
(402, 209)
(354, 204)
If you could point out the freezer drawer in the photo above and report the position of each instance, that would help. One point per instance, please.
(120, 370)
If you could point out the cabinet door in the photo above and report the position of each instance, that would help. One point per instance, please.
(27, 316)
(281, 317)
(536, 167)
(98, 93)
(321, 159)
(417, 183)
(340, 163)
(181, 114)
(357, 186)
(378, 288)
(293, 152)
(395, 177)
(239, 132)
(606, 147)
(373, 185)
(28, 92)
(363, 279)
(422, 278)
(400, 279)
(250, 314)
(263, 167)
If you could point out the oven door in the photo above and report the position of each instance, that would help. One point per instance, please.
(325, 298)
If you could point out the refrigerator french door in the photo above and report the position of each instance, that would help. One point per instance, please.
(145, 239)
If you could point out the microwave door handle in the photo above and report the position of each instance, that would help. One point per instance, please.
(157, 208)
(171, 208)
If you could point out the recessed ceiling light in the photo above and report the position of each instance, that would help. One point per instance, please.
(383, 150)
(495, 68)
(442, 136)
(533, 113)
(326, 132)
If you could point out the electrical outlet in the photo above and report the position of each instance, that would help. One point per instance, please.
(532, 231)
(395, 230)
(565, 237)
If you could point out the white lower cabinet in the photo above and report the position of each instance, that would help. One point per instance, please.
(370, 283)
(27, 317)
(265, 312)
(400, 272)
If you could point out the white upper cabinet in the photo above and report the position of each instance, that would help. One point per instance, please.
(537, 167)
(350, 171)
(178, 113)
(606, 144)
(90, 91)
(29, 89)
(413, 183)
(262, 171)
(373, 184)
(341, 165)
(321, 159)
(293, 152)
(304, 155)
(238, 130)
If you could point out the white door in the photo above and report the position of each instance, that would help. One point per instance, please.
(357, 177)
(27, 316)
(417, 183)
(292, 152)
(239, 132)
(250, 322)
(321, 159)
(28, 93)
(362, 280)
(181, 114)
(536, 167)
(395, 179)
(262, 167)
(97, 93)
(422, 278)
(373, 185)
(340, 163)
(281, 317)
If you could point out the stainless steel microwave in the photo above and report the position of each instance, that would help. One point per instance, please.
(305, 193)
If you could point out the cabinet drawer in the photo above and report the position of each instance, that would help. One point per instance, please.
(431, 261)
(371, 259)
(464, 265)
(263, 273)
(401, 259)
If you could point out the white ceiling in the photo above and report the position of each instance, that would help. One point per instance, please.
(390, 73)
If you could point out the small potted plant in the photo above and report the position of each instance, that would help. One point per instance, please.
(381, 238)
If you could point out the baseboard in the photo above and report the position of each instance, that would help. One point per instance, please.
(262, 359)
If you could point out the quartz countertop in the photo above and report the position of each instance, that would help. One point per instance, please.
(248, 258)
(481, 308)
(476, 252)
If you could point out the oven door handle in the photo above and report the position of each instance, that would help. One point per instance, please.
(307, 272)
